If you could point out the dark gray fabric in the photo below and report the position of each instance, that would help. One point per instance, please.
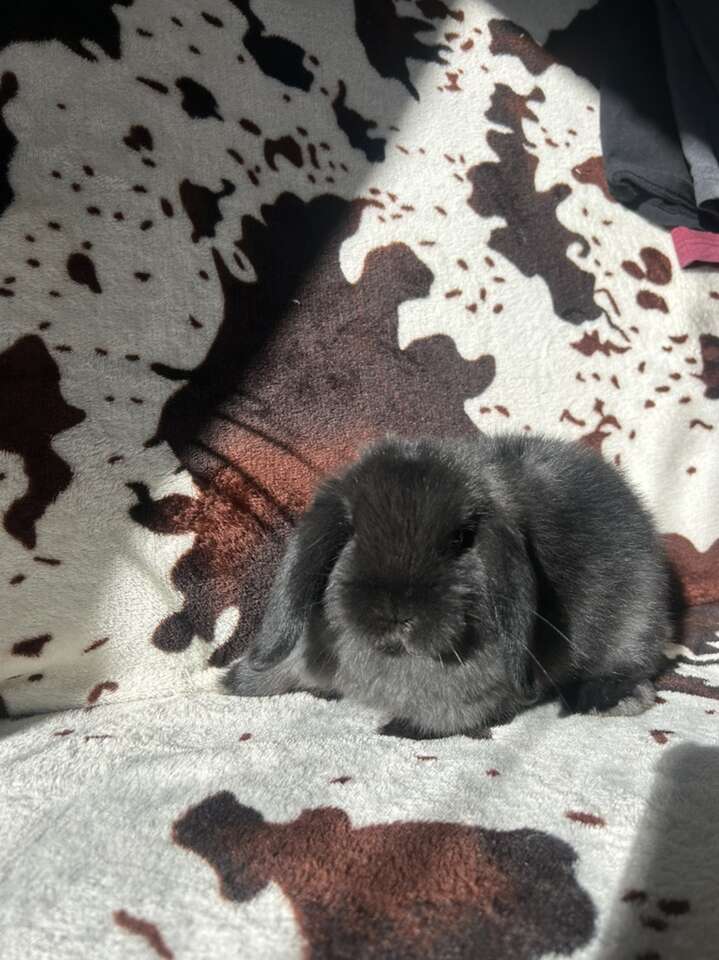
(660, 111)
(690, 43)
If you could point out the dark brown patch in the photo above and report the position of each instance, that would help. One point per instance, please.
(635, 896)
(591, 343)
(674, 908)
(533, 239)
(633, 269)
(97, 643)
(390, 40)
(709, 346)
(244, 737)
(81, 269)
(63, 733)
(197, 101)
(286, 147)
(276, 56)
(661, 736)
(598, 435)
(508, 38)
(32, 647)
(8, 141)
(33, 413)
(458, 890)
(698, 571)
(143, 928)
(693, 686)
(453, 82)
(587, 819)
(341, 780)
(154, 85)
(658, 266)
(250, 127)
(108, 685)
(356, 127)
(591, 171)
(438, 10)
(202, 206)
(212, 20)
(138, 138)
(648, 300)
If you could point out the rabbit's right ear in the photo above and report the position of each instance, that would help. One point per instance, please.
(302, 576)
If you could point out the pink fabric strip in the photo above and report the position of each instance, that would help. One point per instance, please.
(695, 246)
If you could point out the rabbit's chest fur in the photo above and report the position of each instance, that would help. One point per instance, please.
(433, 696)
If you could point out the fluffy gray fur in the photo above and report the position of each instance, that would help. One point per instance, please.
(449, 584)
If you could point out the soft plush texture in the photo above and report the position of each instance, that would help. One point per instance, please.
(240, 238)
(289, 828)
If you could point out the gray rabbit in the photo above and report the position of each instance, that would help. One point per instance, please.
(451, 583)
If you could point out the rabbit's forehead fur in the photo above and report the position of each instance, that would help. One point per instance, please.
(409, 494)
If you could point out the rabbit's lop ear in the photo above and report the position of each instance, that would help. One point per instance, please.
(302, 576)
(507, 554)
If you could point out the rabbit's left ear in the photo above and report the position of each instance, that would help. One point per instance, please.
(302, 576)
(508, 558)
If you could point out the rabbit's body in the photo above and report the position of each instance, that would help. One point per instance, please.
(448, 584)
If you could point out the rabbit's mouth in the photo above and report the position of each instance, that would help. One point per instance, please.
(393, 647)
(448, 650)
(457, 650)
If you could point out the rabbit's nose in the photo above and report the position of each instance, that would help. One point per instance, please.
(399, 625)
(396, 637)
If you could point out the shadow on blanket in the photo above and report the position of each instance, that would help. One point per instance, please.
(670, 890)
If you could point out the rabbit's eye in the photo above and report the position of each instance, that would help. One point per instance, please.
(463, 537)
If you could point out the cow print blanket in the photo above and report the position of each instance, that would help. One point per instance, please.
(239, 239)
